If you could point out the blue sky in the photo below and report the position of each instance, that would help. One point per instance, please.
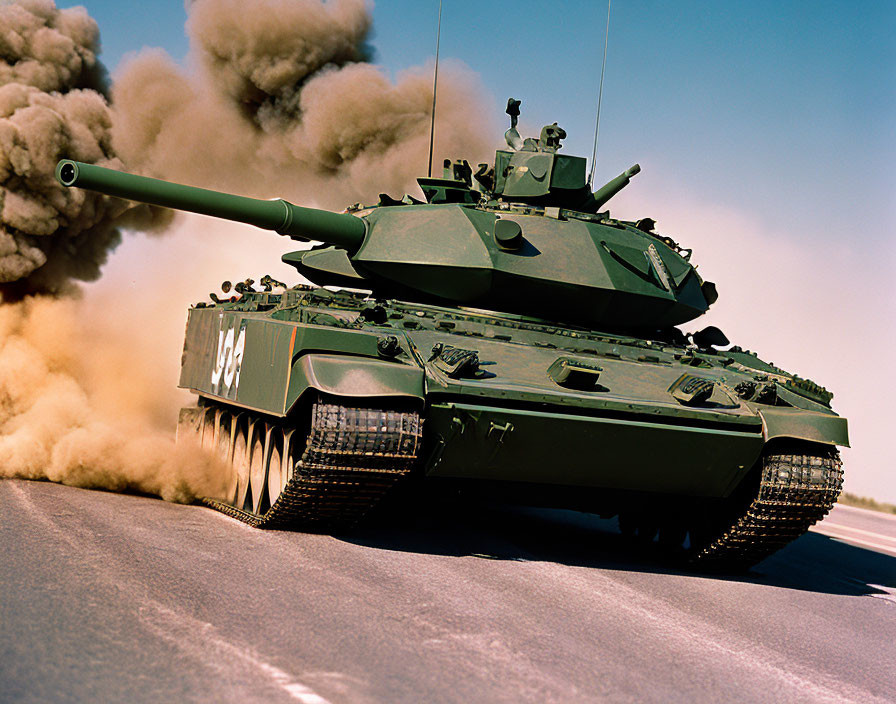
(788, 107)
(767, 136)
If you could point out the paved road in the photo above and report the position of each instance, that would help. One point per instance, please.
(107, 597)
(857, 526)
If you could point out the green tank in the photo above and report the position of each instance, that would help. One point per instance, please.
(504, 335)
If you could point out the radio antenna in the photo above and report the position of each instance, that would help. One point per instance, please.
(435, 85)
(600, 94)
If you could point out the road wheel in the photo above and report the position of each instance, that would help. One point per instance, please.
(241, 465)
(257, 484)
(276, 480)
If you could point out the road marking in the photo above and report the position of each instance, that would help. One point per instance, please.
(860, 531)
(884, 592)
(701, 639)
(190, 635)
(199, 640)
(871, 540)
(866, 511)
(848, 535)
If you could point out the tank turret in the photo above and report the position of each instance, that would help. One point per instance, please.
(530, 241)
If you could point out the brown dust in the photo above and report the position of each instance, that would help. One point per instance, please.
(279, 101)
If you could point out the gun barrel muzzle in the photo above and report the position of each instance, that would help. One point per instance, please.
(604, 193)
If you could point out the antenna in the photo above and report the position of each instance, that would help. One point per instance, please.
(435, 84)
(600, 95)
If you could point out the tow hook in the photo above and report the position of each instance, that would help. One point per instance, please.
(502, 429)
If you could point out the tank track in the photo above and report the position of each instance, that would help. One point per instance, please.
(797, 488)
(352, 458)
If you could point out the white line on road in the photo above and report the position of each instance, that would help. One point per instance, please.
(835, 525)
(859, 531)
(867, 511)
(190, 635)
(199, 640)
(849, 535)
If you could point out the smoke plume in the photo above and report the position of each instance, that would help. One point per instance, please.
(282, 105)
(52, 105)
(280, 102)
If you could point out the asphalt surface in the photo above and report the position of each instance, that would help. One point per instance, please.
(109, 597)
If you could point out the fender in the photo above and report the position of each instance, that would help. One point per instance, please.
(354, 377)
(825, 428)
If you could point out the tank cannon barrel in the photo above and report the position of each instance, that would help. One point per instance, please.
(604, 193)
(297, 222)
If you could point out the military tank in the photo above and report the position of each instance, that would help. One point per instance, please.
(502, 335)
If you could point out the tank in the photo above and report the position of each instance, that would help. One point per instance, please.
(503, 335)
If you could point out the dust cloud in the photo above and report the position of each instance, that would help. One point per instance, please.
(68, 415)
(279, 101)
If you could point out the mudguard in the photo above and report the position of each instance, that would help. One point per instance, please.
(352, 376)
(800, 424)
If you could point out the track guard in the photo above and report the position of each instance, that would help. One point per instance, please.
(351, 376)
(800, 424)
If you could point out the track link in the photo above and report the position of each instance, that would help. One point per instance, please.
(352, 458)
(797, 488)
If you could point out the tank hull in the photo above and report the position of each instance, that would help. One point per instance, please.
(610, 431)
(270, 351)
(476, 441)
